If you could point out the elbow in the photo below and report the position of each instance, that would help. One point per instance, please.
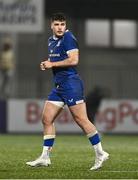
(74, 62)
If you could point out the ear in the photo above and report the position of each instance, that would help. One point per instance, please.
(52, 26)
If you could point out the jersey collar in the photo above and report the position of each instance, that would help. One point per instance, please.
(54, 37)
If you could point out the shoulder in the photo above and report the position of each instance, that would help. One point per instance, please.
(69, 35)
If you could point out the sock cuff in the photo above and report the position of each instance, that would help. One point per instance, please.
(92, 134)
(49, 137)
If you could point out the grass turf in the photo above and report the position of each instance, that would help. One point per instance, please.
(72, 156)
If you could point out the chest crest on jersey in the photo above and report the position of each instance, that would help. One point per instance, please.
(58, 44)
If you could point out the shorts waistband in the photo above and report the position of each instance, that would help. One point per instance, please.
(67, 77)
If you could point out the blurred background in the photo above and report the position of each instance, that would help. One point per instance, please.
(107, 33)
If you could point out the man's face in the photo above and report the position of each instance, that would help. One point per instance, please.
(58, 27)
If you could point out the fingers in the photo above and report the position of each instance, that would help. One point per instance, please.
(42, 66)
(45, 65)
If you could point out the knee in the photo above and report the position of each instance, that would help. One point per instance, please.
(46, 120)
(81, 120)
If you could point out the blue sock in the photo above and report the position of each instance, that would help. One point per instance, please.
(47, 145)
(96, 143)
(95, 139)
(49, 142)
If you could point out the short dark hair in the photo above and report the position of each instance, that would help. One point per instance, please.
(58, 17)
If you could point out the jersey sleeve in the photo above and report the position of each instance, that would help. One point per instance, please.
(70, 43)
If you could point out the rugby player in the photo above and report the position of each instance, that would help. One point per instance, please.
(63, 57)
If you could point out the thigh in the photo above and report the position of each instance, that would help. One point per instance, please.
(79, 111)
(53, 106)
(50, 111)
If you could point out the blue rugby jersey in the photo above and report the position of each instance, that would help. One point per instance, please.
(57, 51)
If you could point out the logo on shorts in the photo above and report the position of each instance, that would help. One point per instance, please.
(70, 100)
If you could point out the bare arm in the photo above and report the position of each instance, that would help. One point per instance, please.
(72, 60)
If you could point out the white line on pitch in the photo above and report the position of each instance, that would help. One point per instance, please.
(120, 171)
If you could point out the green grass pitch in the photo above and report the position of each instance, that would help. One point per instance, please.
(72, 156)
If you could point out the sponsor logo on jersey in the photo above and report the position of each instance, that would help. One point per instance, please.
(54, 55)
